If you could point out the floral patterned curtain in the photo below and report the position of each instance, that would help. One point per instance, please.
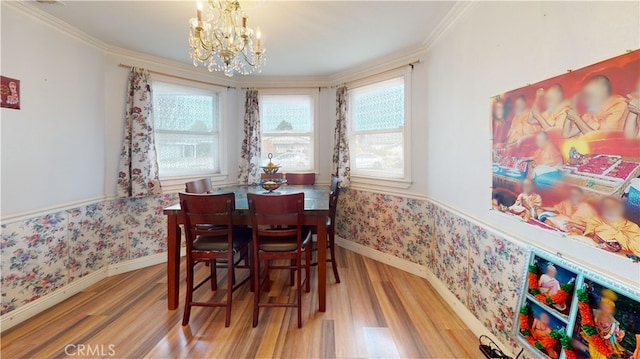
(250, 161)
(341, 162)
(138, 171)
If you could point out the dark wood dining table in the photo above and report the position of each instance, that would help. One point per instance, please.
(316, 210)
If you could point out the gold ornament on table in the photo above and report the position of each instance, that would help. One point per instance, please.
(220, 39)
(271, 179)
(270, 168)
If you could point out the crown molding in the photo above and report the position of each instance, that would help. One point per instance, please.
(152, 62)
(409, 55)
(455, 14)
(201, 73)
(284, 81)
(32, 11)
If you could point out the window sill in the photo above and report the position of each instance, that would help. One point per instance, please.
(176, 183)
(376, 183)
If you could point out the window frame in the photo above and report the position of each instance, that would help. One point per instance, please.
(178, 180)
(314, 94)
(370, 179)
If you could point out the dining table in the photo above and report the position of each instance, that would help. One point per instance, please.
(316, 210)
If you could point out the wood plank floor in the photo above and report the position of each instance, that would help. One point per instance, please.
(376, 312)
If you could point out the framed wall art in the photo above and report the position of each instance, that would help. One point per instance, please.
(567, 312)
(566, 154)
(9, 93)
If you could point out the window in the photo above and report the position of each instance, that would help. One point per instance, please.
(287, 124)
(187, 129)
(377, 130)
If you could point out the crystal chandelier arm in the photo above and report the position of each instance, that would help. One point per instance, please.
(206, 46)
(244, 54)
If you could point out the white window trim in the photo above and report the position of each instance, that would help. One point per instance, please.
(373, 182)
(316, 113)
(170, 183)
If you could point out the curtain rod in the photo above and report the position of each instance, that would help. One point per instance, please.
(286, 88)
(412, 64)
(178, 77)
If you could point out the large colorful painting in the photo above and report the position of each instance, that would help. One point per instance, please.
(567, 312)
(566, 154)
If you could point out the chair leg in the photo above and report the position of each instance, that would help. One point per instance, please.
(299, 291)
(267, 278)
(214, 275)
(307, 268)
(232, 272)
(292, 273)
(248, 261)
(189, 294)
(230, 284)
(256, 285)
(332, 249)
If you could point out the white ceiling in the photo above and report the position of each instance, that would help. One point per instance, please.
(303, 38)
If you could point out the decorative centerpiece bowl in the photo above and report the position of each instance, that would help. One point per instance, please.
(272, 184)
(270, 168)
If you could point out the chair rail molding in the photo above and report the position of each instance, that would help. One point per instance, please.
(512, 236)
(14, 217)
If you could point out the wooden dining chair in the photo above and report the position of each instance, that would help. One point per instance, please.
(307, 178)
(203, 186)
(210, 235)
(279, 234)
(331, 228)
(199, 186)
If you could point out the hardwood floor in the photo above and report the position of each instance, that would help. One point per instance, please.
(376, 312)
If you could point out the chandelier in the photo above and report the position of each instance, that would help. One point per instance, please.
(221, 40)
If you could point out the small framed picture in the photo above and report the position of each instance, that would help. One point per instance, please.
(607, 325)
(9, 93)
(551, 284)
(542, 329)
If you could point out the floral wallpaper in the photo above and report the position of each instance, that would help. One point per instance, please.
(483, 270)
(42, 254)
(400, 226)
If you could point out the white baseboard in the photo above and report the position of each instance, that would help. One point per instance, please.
(458, 307)
(41, 304)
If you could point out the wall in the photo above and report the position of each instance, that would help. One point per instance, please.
(62, 112)
(57, 225)
(443, 221)
(477, 59)
(82, 102)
